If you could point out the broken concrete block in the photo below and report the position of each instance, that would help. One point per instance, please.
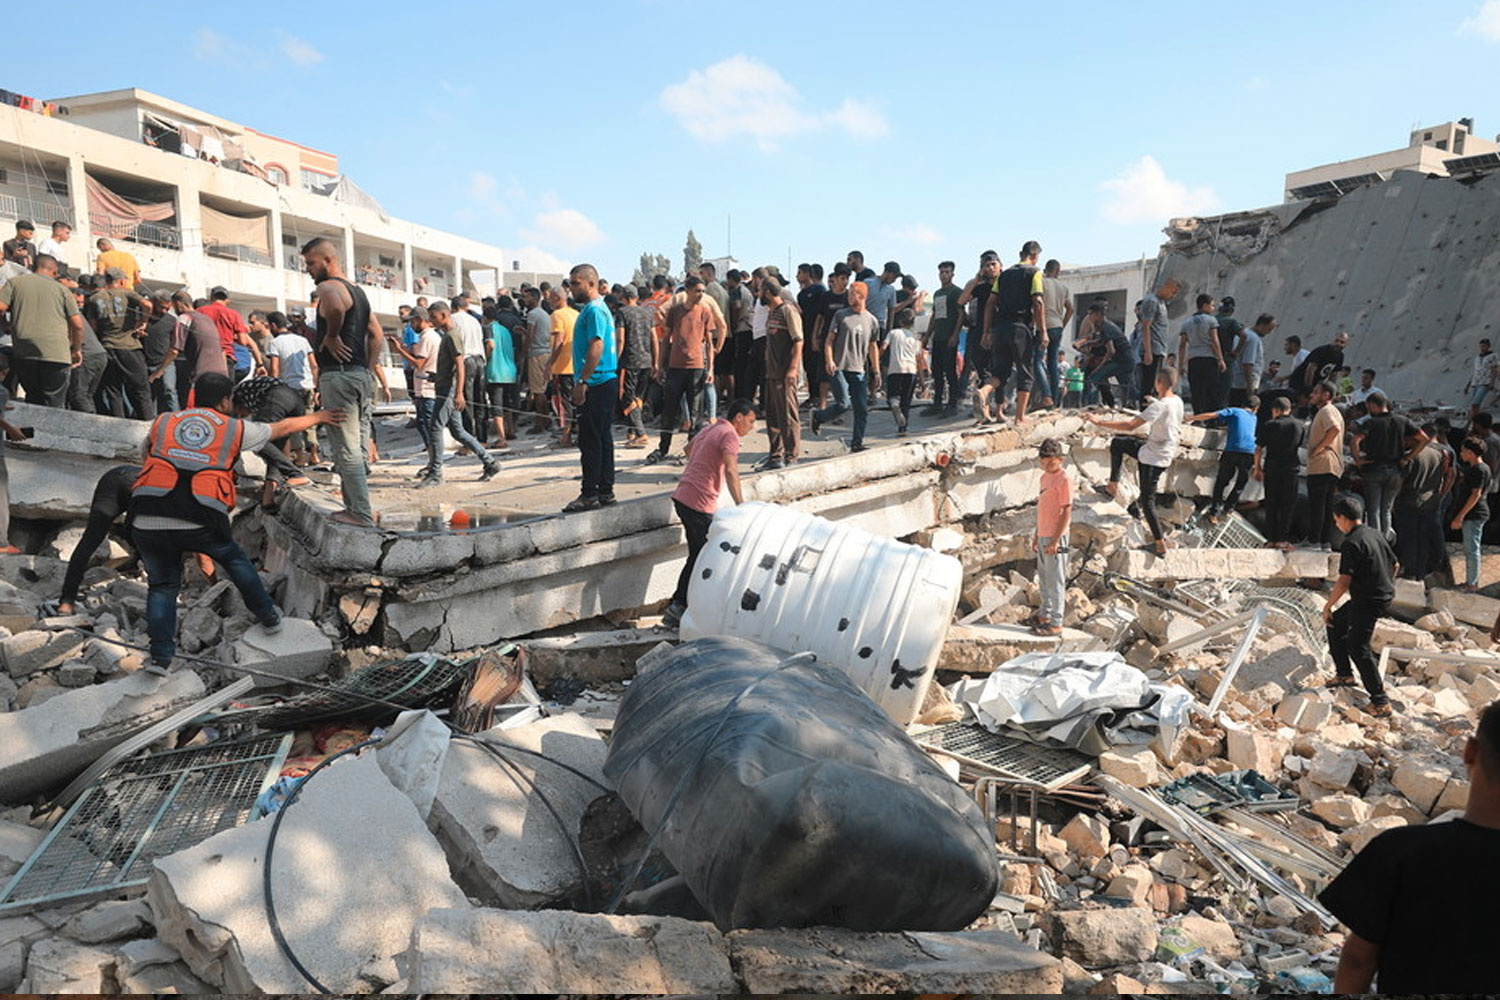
(168, 979)
(1437, 621)
(75, 674)
(17, 843)
(1422, 780)
(1107, 937)
(12, 965)
(1474, 609)
(299, 650)
(58, 965)
(1117, 984)
(1358, 836)
(481, 951)
(507, 850)
(1333, 767)
(591, 657)
(111, 920)
(832, 961)
(1255, 750)
(143, 953)
(1306, 710)
(1448, 703)
(1340, 810)
(1484, 691)
(28, 652)
(982, 649)
(1087, 836)
(1389, 632)
(199, 628)
(48, 744)
(1395, 805)
(1410, 599)
(1137, 767)
(1455, 796)
(352, 844)
(1133, 883)
(1215, 936)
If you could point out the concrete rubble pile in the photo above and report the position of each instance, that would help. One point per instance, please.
(437, 863)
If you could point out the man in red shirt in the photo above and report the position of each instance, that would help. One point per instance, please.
(712, 463)
(232, 328)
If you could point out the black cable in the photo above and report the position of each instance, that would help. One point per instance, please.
(271, 918)
(800, 659)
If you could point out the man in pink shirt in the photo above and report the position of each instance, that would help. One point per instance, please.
(1054, 514)
(712, 463)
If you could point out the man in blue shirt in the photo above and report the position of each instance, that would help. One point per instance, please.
(882, 300)
(1237, 458)
(596, 390)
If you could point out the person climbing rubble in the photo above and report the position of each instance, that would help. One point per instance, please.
(1367, 571)
(1153, 453)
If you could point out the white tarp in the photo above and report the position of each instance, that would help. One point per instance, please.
(1088, 701)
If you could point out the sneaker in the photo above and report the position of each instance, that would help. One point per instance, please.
(1379, 710)
(491, 470)
(653, 458)
(433, 480)
(768, 463)
(271, 623)
(672, 617)
(859, 447)
(158, 668)
(581, 504)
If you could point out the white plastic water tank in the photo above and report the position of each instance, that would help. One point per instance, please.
(876, 608)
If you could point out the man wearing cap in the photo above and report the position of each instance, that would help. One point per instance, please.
(46, 331)
(119, 317)
(110, 257)
(21, 250)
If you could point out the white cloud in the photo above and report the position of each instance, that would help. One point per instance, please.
(921, 234)
(1143, 192)
(534, 258)
(300, 51)
(742, 97)
(1485, 23)
(209, 44)
(567, 228)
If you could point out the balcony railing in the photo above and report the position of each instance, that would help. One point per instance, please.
(43, 213)
(235, 251)
(151, 234)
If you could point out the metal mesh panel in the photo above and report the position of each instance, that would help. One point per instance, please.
(1233, 532)
(1297, 608)
(1048, 767)
(415, 681)
(144, 808)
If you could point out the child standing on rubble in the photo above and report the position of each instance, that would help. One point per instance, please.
(1054, 515)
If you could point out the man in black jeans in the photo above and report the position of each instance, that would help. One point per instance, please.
(1325, 463)
(596, 389)
(689, 323)
(713, 457)
(1367, 569)
(267, 400)
(111, 498)
(1153, 454)
(1277, 466)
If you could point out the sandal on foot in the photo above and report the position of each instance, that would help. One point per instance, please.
(1340, 682)
(1381, 711)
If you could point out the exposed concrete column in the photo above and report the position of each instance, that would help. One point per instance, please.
(411, 277)
(80, 247)
(458, 276)
(349, 262)
(278, 253)
(190, 229)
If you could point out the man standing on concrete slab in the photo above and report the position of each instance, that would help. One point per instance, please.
(1153, 318)
(712, 459)
(1277, 465)
(1013, 311)
(182, 500)
(637, 361)
(1198, 345)
(471, 331)
(849, 352)
(1249, 360)
(46, 332)
(941, 340)
(811, 296)
(1325, 463)
(450, 389)
(1231, 332)
(1472, 510)
(347, 350)
(1059, 302)
(1236, 460)
(1367, 568)
(119, 318)
(1426, 479)
(596, 390)
(680, 368)
(538, 353)
(1419, 900)
(1380, 448)
(1153, 453)
(783, 364)
(1484, 379)
(1054, 515)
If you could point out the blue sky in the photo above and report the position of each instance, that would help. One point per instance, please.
(614, 129)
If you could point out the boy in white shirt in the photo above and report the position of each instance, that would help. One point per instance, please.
(1153, 453)
(903, 348)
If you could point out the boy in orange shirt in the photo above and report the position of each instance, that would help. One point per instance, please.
(1054, 515)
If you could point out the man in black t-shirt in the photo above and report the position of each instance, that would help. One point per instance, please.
(1419, 901)
(1317, 366)
(1277, 464)
(1367, 569)
(833, 301)
(1381, 444)
(810, 298)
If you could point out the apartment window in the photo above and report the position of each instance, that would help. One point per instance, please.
(387, 261)
(3, 176)
(316, 182)
(1442, 144)
(1426, 136)
(58, 188)
(277, 174)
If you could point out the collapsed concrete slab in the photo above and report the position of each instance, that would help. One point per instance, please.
(1223, 564)
(825, 960)
(33, 651)
(482, 951)
(354, 870)
(981, 649)
(592, 657)
(1474, 609)
(47, 744)
(505, 846)
(300, 649)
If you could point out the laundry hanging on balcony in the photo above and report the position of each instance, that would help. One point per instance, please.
(227, 232)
